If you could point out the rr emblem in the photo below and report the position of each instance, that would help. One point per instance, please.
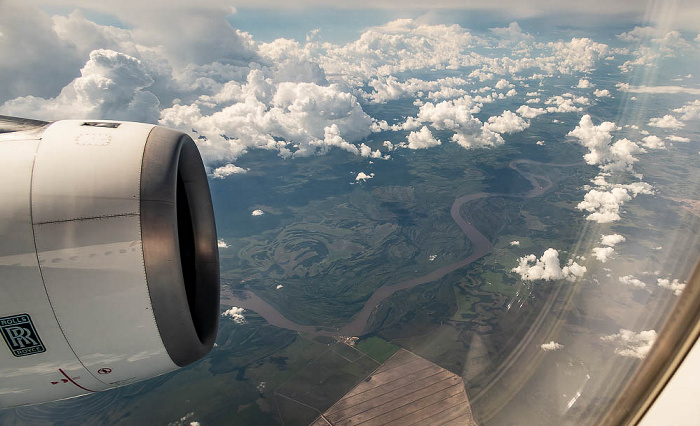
(20, 335)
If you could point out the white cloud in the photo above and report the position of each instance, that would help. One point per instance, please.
(527, 112)
(611, 240)
(690, 111)
(603, 254)
(503, 84)
(366, 151)
(658, 89)
(279, 286)
(653, 142)
(508, 122)
(515, 243)
(236, 314)
(653, 45)
(676, 286)
(257, 212)
(447, 93)
(640, 33)
(512, 32)
(618, 156)
(631, 344)
(605, 93)
(604, 202)
(292, 118)
(666, 122)
(228, 170)
(547, 267)
(580, 54)
(541, 143)
(674, 138)
(362, 177)
(562, 104)
(632, 281)
(111, 86)
(584, 84)
(221, 243)
(422, 139)
(456, 115)
(389, 87)
(551, 346)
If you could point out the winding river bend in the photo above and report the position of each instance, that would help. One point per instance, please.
(358, 326)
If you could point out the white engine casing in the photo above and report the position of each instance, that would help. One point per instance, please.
(108, 258)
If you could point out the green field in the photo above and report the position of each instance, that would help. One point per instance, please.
(378, 349)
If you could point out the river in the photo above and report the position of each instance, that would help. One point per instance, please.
(481, 246)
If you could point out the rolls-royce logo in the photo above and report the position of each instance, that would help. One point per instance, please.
(20, 335)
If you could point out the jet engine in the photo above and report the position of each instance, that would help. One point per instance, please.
(109, 268)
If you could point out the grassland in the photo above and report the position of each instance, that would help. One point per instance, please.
(377, 348)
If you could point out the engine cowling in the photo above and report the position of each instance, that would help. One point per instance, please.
(109, 269)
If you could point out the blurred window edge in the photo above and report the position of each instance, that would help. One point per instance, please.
(678, 336)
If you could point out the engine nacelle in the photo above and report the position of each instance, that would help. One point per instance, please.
(109, 268)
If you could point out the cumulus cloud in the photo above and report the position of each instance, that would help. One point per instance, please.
(366, 151)
(195, 72)
(604, 205)
(541, 143)
(512, 33)
(389, 87)
(618, 156)
(565, 104)
(580, 54)
(362, 177)
(456, 115)
(604, 202)
(528, 112)
(551, 346)
(293, 118)
(515, 243)
(227, 170)
(236, 314)
(508, 122)
(451, 115)
(422, 139)
(690, 111)
(547, 267)
(653, 45)
(632, 281)
(603, 254)
(604, 93)
(611, 239)
(631, 344)
(257, 212)
(111, 85)
(640, 33)
(674, 138)
(653, 142)
(666, 122)
(222, 244)
(584, 84)
(503, 84)
(676, 286)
